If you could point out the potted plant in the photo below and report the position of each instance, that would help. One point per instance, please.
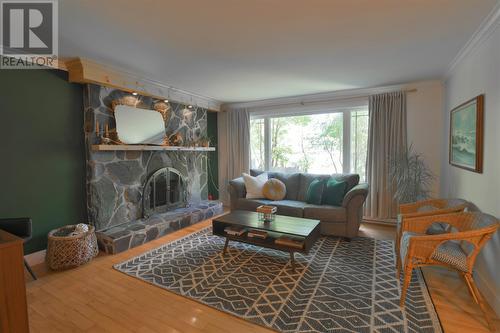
(411, 176)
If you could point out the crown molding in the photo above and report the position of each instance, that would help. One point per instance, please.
(486, 29)
(87, 71)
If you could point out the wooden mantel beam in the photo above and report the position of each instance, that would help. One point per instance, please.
(86, 71)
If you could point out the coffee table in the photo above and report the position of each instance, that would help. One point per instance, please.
(295, 227)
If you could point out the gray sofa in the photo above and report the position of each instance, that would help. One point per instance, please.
(339, 221)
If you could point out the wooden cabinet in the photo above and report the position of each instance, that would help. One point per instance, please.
(13, 306)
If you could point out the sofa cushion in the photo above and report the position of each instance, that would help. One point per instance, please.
(325, 213)
(274, 189)
(334, 192)
(291, 181)
(256, 172)
(306, 180)
(314, 193)
(254, 185)
(289, 207)
(350, 178)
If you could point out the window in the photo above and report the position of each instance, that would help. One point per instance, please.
(316, 143)
(359, 142)
(257, 144)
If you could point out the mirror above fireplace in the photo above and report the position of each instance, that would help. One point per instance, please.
(139, 126)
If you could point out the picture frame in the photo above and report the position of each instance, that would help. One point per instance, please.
(466, 135)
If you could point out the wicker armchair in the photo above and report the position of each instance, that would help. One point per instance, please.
(456, 249)
(427, 208)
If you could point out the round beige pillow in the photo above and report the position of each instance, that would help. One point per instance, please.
(274, 189)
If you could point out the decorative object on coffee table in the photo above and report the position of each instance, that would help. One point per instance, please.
(71, 246)
(267, 213)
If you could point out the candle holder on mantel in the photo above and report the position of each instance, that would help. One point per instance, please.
(266, 213)
(106, 138)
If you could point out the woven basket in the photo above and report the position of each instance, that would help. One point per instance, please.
(65, 252)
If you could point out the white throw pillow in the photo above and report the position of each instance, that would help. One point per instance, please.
(254, 185)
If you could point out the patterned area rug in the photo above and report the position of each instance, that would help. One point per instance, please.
(338, 287)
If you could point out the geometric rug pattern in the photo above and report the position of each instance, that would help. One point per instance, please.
(338, 286)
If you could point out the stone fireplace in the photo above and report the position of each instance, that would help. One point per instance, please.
(136, 196)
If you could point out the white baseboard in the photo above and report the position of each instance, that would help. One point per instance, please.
(488, 292)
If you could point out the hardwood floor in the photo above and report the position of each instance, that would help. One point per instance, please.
(97, 298)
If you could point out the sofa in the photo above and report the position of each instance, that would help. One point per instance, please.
(334, 220)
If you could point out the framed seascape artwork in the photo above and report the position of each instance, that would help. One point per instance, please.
(466, 135)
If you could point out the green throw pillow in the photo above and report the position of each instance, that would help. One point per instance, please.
(334, 192)
(315, 192)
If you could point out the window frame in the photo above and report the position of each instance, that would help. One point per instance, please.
(346, 130)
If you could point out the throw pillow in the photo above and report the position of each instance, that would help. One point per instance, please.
(315, 192)
(254, 185)
(334, 192)
(274, 189)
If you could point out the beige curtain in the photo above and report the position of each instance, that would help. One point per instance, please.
(234, 147)
(386, 137)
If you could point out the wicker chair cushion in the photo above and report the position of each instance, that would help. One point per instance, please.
(451, 253)
(436, 228)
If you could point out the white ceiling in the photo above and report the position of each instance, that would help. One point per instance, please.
(235, 50)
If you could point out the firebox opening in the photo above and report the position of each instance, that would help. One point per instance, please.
(165, 189)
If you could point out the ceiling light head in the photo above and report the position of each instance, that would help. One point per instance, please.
(190, 106)
(165, 100)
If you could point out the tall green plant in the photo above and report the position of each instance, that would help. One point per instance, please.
(411, 176)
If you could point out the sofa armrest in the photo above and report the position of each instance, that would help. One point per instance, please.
(360, 189)
(353, 203)
(237, 191)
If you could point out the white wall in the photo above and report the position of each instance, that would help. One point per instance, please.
(479, 73)
(425, 123)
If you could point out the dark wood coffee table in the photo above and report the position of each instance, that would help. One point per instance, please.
(296, 227)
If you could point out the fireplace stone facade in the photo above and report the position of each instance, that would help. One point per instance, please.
(115, 179)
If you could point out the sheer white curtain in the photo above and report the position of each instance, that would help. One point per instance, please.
(234, 147)
(387, 135)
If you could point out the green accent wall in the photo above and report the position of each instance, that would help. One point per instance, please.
(42, 164)
(213, 157)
